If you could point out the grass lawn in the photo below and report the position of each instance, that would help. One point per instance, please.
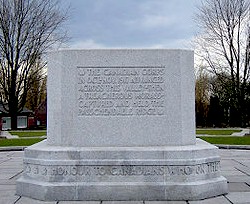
(216, 132)
(29, 133)
(227, 140)
(19, 142)
(219, 137)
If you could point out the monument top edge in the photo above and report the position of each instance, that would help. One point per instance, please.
(120, 49)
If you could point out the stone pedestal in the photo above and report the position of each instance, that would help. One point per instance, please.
(122, 173)
(121, 127)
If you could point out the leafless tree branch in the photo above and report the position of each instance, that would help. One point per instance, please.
(28, 28)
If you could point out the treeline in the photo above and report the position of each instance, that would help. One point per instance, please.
(216, 104)
(223, 53)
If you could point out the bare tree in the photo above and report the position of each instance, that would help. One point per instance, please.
(37, 92)
(27, 29)
(202, 96)
(224, 43)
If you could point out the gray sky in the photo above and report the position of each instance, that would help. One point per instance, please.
(131, 23)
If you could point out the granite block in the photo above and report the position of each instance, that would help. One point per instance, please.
(239, 197)
(9, 199)
(80, 202)
(170, 173)
(218, 200)
(127, 94)
(121, 126)
(122, 202)
(24, 200)
(165, 202)
(238, 187)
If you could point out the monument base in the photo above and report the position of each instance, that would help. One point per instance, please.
(122, 173)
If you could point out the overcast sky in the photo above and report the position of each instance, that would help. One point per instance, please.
(131, 23)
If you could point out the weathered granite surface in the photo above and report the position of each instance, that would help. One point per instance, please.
(235, 166)
(121, 98)
(121, 127)
(123, 173)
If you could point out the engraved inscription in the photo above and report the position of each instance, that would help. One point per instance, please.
(130, 170)
(121, 91)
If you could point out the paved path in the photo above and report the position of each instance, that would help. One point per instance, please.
(235, 166)
(7, 135)
(242, 133)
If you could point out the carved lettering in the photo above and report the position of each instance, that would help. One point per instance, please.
(27, 169)
(121, 91)
(36, 170)
(44, 172)
(120, 171)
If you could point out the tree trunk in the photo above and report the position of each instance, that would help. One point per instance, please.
(13, 110)
(14, 121)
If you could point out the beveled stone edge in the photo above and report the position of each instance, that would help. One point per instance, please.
(174, 191)
(200, 144)
(201, 152)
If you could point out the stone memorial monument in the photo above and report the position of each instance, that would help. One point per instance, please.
(121, 126)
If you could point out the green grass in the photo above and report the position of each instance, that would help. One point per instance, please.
(228, 140)
(216, 132)
(19, 142)
(28, 133)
